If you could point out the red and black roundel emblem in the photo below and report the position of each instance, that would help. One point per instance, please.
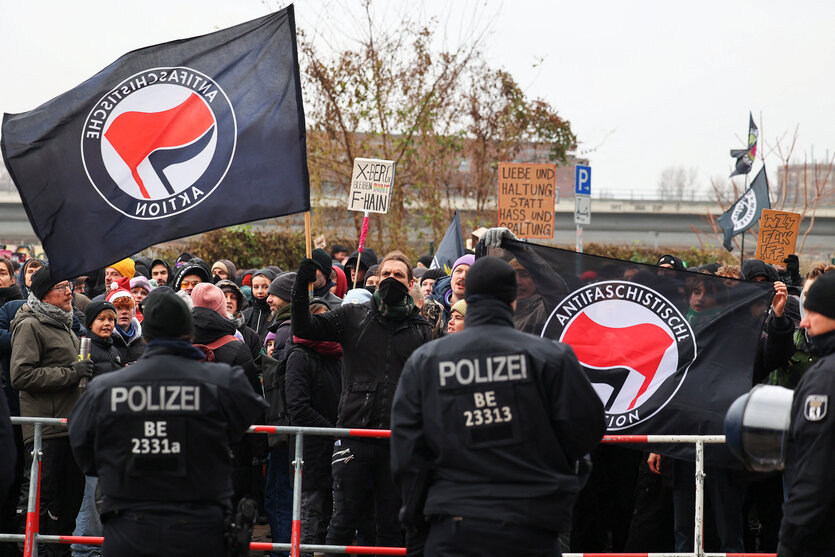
(634, 345)
(160, 142)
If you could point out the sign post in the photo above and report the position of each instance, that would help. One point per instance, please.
(371, 183)
(582, 201)
(527, 195)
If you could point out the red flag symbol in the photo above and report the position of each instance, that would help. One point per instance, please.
(135, 135)
(639, 347)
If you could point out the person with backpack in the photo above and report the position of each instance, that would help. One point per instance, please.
(313, 383)
(215, 335)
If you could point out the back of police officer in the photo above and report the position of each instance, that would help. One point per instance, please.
(809, 509)
(157, 434)
(493, 421)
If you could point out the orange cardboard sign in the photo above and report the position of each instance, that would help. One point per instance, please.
(777, 237)
(527, 193)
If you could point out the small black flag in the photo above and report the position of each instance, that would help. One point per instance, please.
(745, 157)
(747, 210)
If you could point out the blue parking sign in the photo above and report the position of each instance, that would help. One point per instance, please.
(582, 180)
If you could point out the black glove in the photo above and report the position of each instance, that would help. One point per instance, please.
(792, 264)
(84, 368)
(307, 271)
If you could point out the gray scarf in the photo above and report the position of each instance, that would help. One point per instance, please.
(48, 310)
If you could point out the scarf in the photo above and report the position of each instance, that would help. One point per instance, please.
(394, 312)
(283, 314)
(321, 292)
(48, 310)
(328, 348)
(129, 334)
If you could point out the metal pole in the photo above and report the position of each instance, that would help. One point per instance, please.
(298, 462)
(30, 544)
(700, 496)
(579, 244)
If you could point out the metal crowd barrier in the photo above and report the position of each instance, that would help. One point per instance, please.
(32, 537)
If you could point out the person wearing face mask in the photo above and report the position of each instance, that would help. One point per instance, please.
(376, 337)
(259, 315)
(789, 375)
(809, 510)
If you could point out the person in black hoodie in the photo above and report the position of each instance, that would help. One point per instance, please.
(161, 272)
(313, 383)
(259, 315)
(101, 324)
(8, 289)
(212, 328)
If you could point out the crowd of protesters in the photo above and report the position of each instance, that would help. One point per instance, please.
(332, 359)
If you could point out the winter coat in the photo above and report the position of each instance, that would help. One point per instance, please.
(312, 384)
(129, 349)
(43, 351)
(259, 317)
(374, 352)
(209, 326)
(105, 355)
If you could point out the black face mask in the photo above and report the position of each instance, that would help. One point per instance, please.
(821, 345)
(392, 291)
(371, 288)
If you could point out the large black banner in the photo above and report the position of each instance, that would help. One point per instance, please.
(168, 141)
(667, 351)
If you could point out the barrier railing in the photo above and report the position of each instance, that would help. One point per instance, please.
(31, 537)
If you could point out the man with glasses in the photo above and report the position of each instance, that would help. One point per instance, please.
(46, 370)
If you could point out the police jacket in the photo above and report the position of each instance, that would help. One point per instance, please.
(157, 433)
(499, 417)
(809, 511)
(374, 351)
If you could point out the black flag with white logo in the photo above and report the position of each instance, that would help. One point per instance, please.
(667, 351)
(168, 141)
(746, 211)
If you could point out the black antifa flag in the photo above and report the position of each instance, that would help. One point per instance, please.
(168, 141)
(746, 211)
(667, 351)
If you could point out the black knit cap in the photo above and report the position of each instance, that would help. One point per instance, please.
(491, 277)
(42, 281)
(322, 260)
(94, 309)
(433, 274)
(821, 295)
(165, 315)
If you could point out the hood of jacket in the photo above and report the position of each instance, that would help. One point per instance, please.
(209, 325)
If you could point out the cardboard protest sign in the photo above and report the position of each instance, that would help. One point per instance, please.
(371, 183)
(527, 193)
(777, 237)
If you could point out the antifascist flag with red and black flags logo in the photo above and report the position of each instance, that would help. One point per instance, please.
(745, 157)
(168, 141)
(667, 351)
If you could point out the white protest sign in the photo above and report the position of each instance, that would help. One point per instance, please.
(371, 183)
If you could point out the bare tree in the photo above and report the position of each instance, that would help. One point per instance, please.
(677, 183)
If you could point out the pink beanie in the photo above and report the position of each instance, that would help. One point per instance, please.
(207, 295)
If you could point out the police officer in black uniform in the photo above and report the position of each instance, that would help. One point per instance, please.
(157, 434)
(809, 511)
(488, 425)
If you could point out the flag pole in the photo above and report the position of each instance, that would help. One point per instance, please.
(361, 246)
(742, 247)
(308, 245)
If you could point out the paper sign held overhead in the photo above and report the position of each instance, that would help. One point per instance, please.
(527, 194)
(371, 183)
(777, 237)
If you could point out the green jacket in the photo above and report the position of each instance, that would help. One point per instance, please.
(43, 351)
(790, 374)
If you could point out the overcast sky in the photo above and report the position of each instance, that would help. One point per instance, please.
(645, 84)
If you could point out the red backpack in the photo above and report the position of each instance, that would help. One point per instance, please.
(209, 349)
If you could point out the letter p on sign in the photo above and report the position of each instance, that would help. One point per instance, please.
(582, 180)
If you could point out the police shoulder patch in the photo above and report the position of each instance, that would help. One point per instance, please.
(815, 407)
